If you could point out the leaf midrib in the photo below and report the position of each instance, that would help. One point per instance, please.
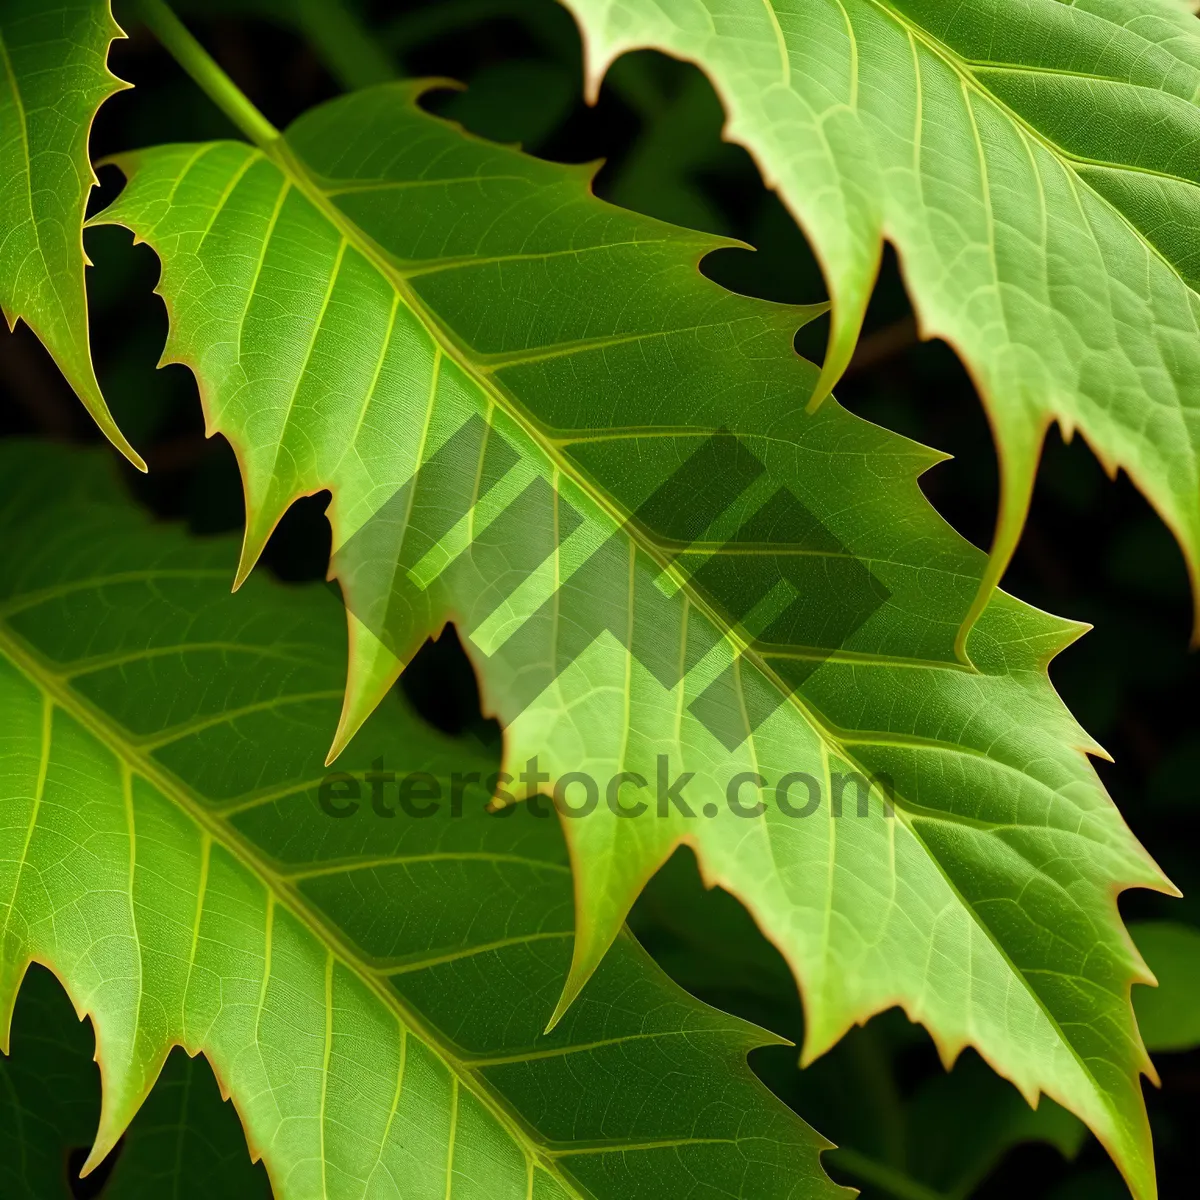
(56, 689)
(280, 153)
(285, 159)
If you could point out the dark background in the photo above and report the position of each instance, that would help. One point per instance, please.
(1092, 550)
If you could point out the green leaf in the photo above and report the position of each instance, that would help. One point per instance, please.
(378, 298)
(1169, 1015)
(1032, 162)
(371, 990)
(184, 1142)
(53, 58)
(959, 1126)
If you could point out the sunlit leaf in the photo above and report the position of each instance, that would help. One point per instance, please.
(1034, 163)
(371, 989)
(53, 78)
(491, 370)
(184, 1143)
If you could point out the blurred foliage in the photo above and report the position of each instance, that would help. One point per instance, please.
(1169, 1015)
(1092, 550)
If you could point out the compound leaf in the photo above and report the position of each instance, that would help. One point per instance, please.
(371, 990)
(537, 419)
(55, 77)
(1033, 162)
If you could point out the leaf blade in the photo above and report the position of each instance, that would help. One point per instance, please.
(1167, 1014)
(185, 1140)
(343, 977)
(55, 78)
(1067, 294)
(465, 299)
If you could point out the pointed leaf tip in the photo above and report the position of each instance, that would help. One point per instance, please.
(59, 67)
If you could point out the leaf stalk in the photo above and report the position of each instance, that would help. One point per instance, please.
(203, 68)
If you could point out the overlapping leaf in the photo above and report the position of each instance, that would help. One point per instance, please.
(371, 990)
(55, 77)
(354, 297)
(1034, 162)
